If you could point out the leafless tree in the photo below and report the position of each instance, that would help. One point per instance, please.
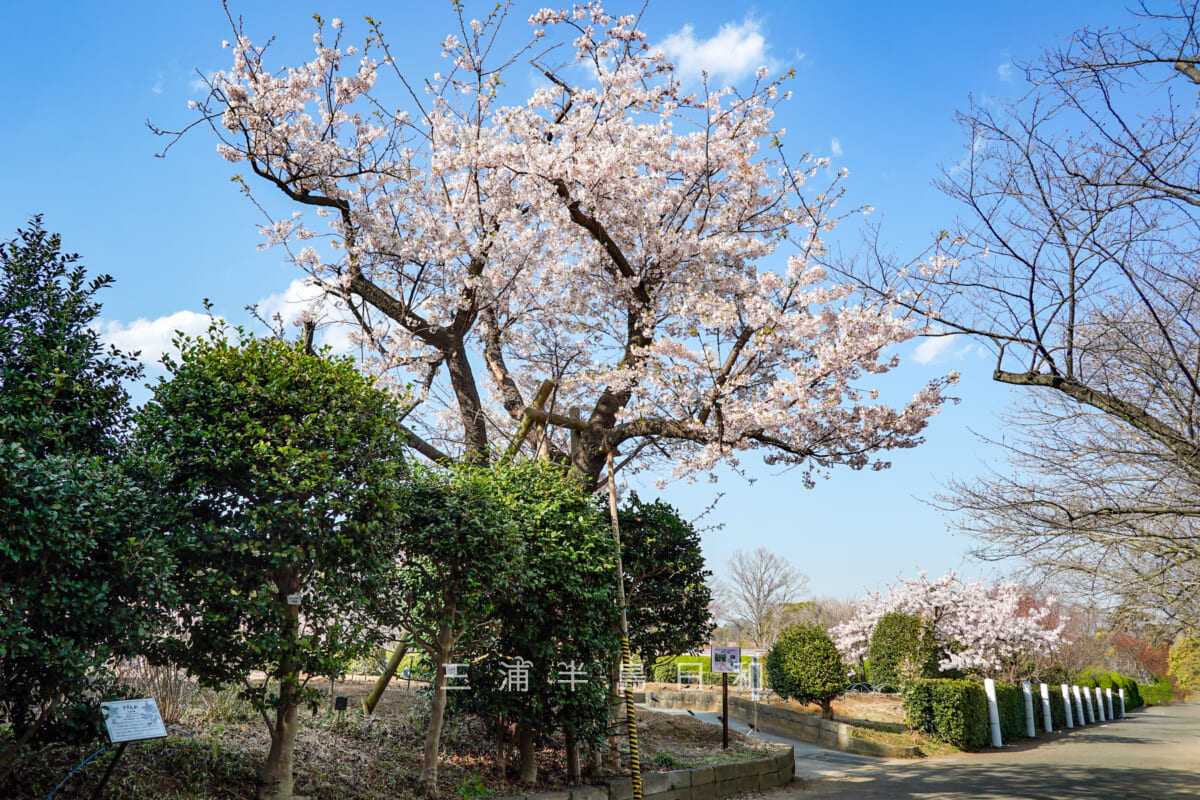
(756, 591)
(1077, 263)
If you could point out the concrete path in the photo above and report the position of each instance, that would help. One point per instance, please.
(1151, 755)
(813, 762)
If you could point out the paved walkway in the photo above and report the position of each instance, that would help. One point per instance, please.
(1151, 755)
(813, 762)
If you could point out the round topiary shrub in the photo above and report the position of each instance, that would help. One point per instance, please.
(805, 665)
(901, 648)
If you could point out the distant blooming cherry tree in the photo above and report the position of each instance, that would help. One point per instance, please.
(979, 627)
(611, 262)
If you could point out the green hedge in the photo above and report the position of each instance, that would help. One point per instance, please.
(1011, 702)
(1092, 678)
(1153, 694)
(950, 711)
(1058, 709)
(664, 670)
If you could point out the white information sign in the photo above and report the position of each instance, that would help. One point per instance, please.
(293, 599)
(131, 720)
(725, 659)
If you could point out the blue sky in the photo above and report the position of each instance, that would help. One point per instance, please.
(875, 89)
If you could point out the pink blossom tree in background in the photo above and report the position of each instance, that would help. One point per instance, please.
(608, 262)
(980, 628)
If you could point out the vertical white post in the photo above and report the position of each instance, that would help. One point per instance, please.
(1108, 703)
(1066, 691)
(1030, 725)
(1080, 716)
(1087, 704)
(1122, 693)
(989, 688)
(1049, 720)
(1099, 704)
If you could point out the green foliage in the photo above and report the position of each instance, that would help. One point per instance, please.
(1093, 677)
(82, 565)
(664, 671)
(1010, 701)
(558, 608)
(1183, 663)
(665, 589)
(951, 711)
(902, 647)
(1154, 694)
(805, 665)
(282, 466)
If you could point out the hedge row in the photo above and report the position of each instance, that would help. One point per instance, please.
(955, 711)
(948, 710)
(1155, 694)
(1115, 681)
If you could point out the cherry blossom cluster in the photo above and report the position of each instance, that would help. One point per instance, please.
(978, 626)
(650, 251)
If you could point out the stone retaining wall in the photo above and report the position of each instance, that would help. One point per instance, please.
(698, 783)
(785, 722)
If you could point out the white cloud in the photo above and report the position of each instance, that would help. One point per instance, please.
(934, 348)
(835, 147)
(152, 336)
(1004, 71)
(734, 53)
(157, 88)
(200, 83)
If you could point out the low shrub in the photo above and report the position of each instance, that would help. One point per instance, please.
(1093, 678)
(1154, 694)
(1010, 701)
(665, 672)
(951, 711)
(805, 665)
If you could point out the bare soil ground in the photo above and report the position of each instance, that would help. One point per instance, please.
(217, 744)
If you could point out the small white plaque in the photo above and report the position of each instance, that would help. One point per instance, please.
(452, 671)
(293, 599)
(725, 659)
(131, 720)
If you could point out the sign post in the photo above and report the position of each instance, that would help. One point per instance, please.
(128, 721)
(724, 660)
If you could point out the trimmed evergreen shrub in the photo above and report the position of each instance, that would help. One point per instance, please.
(1152, 694)
(897, 639)
(805, 665)
(951, 711)
(1093, 677)
(1010, 701)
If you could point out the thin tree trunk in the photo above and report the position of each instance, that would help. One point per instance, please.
(368, 705)
(501, 749)
(529, 772)
(574, 776)
(427, 783)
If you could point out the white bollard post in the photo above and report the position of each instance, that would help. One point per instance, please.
(1030, 725)
(1100, 704)
(989, 688)
(1122, 694)
(1108, 703)
(1080, 707)
(1088, 705)
(1066, 690)
(1045, 690)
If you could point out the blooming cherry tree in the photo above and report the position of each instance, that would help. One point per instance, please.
(610, 263)
(978, 626)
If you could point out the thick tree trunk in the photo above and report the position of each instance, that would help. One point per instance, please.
(276, 775)
(529, 772)
(427, 783)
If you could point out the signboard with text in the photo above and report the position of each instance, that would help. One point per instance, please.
(131, 720)
(726, 659)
